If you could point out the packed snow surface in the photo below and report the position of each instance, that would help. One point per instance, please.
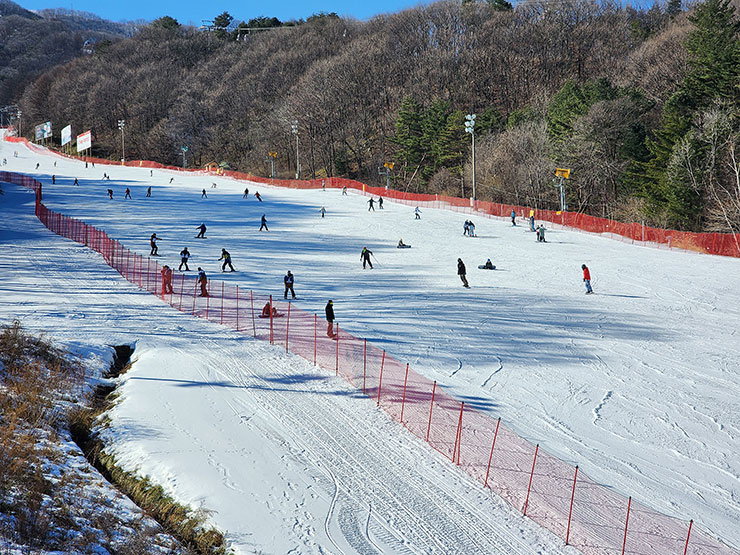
(637, 384)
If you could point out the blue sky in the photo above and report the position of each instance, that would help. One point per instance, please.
(193, 12)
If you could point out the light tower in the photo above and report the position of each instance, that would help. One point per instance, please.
(470, 128)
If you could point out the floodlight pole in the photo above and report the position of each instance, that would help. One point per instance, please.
(20, 131)
(121, 125)
(184, 149)
(294, 130)
(470, 128)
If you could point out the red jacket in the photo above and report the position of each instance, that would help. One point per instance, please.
(586, 274)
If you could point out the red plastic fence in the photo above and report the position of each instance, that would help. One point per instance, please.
(586, 515)
(724, 244)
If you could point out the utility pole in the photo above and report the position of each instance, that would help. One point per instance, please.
(470, 128)
(121, 125)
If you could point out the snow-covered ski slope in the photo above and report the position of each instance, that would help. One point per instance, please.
(637, 384)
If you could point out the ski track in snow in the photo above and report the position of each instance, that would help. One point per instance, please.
(637, 384)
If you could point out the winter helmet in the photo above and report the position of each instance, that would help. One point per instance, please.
(583, 266)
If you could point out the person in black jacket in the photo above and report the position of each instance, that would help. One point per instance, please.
(288, 281)
(365, 257)
(226, 257)
(330, 318)
(461, 272)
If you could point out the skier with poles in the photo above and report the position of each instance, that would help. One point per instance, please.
(166, 280)
(153, 243)
(128, 193)
(365, 257)
(461, 272)
(184, 255)
(226, 257)
(257, 196)
(263, 223)
(202, 232)
(330, 318)
(587, 279)
(203, 281)
(288, 281)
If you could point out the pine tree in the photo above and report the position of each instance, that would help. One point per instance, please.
(409, 135)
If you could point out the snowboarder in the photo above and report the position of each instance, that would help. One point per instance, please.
(487, 266)
(323, 211)
(466, 228)
(461, 272)
(371, 202)
(402, 245)
(151, 173)
(266, 311)
(226, 257)
(471, 228)
(365, 257)
(184, 255)
(110, 193)
(531, 223)
(166, 280)
(288, 281)
(148, 191)
(513, 218)
(203, 194)
(171, 180)
(128, 193)
(153, 242)
(417, 213)
(246, 193)
(380, 202)
(203, 281)
(257, 196)
(344, 190)
(202, 232)
(330, 318)
(85, 165)
(263, 223)
(37, 165)
(587, 279)
(323, 184)
(53, 179)
(541, 234)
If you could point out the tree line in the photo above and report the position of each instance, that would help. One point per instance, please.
(641, 105)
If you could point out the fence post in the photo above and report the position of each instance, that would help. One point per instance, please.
(315, 336)
(686, 548)
(208, 297)
(222, 303)
(403, 399)
(531, 475)
(570, 512)
(380, 382)
(287, 328)
(626, 523)
(251, 300)
(148, 261)
(458, 435)
(431, 406)
(182, 287)
(485, 484)
(272, 338)
(195, 290)
(336, 367)
(237, 308)
(364, 364)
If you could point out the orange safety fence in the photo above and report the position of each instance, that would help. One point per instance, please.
(724, 244)
(589, 516)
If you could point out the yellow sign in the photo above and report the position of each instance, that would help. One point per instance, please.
(389, 165)
(273, 154)
(562, 172)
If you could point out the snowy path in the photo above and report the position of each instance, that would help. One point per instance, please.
(637, 384)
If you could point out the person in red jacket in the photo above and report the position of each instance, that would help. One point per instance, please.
(166, 280)
(587, 278)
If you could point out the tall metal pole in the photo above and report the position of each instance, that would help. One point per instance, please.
(121, 125)
(294, 130)
(473, 134)
(470, 128)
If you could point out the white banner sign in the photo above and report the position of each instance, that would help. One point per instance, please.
(66, 135)
(84, 141)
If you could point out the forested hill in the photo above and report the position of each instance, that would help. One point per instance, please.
(641, 105)
(32, 42)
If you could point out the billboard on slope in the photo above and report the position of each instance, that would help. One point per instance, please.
(84, 141)
(43, 131)
(66, 135)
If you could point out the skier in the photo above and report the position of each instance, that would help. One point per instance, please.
(365, 257)
(203, 281)
(417, 213)
(166, 280)
(288, 281)
(323, 211)
(461, 272)
(203, 194)
(371, 207)
(541, 234)
(257, 196)
(153, 242)
(128, 193)
(148, 191)
(226, 257)
(513, 218)
(466, 228)
(246, 193)
(202, 232)
(171, 180)
(110, 193)
(37, 165)
(531, 223)
(151, 173)
(323, 184)
(184, 255)
(330, 318)
(264, 223)
(85, 165)
(344, 190)
(471, 228)
(53, 179)
(380, 202)
(587, 279)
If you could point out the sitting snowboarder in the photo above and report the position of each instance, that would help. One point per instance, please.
(266, 311)
(487, 266)
(402, 245)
